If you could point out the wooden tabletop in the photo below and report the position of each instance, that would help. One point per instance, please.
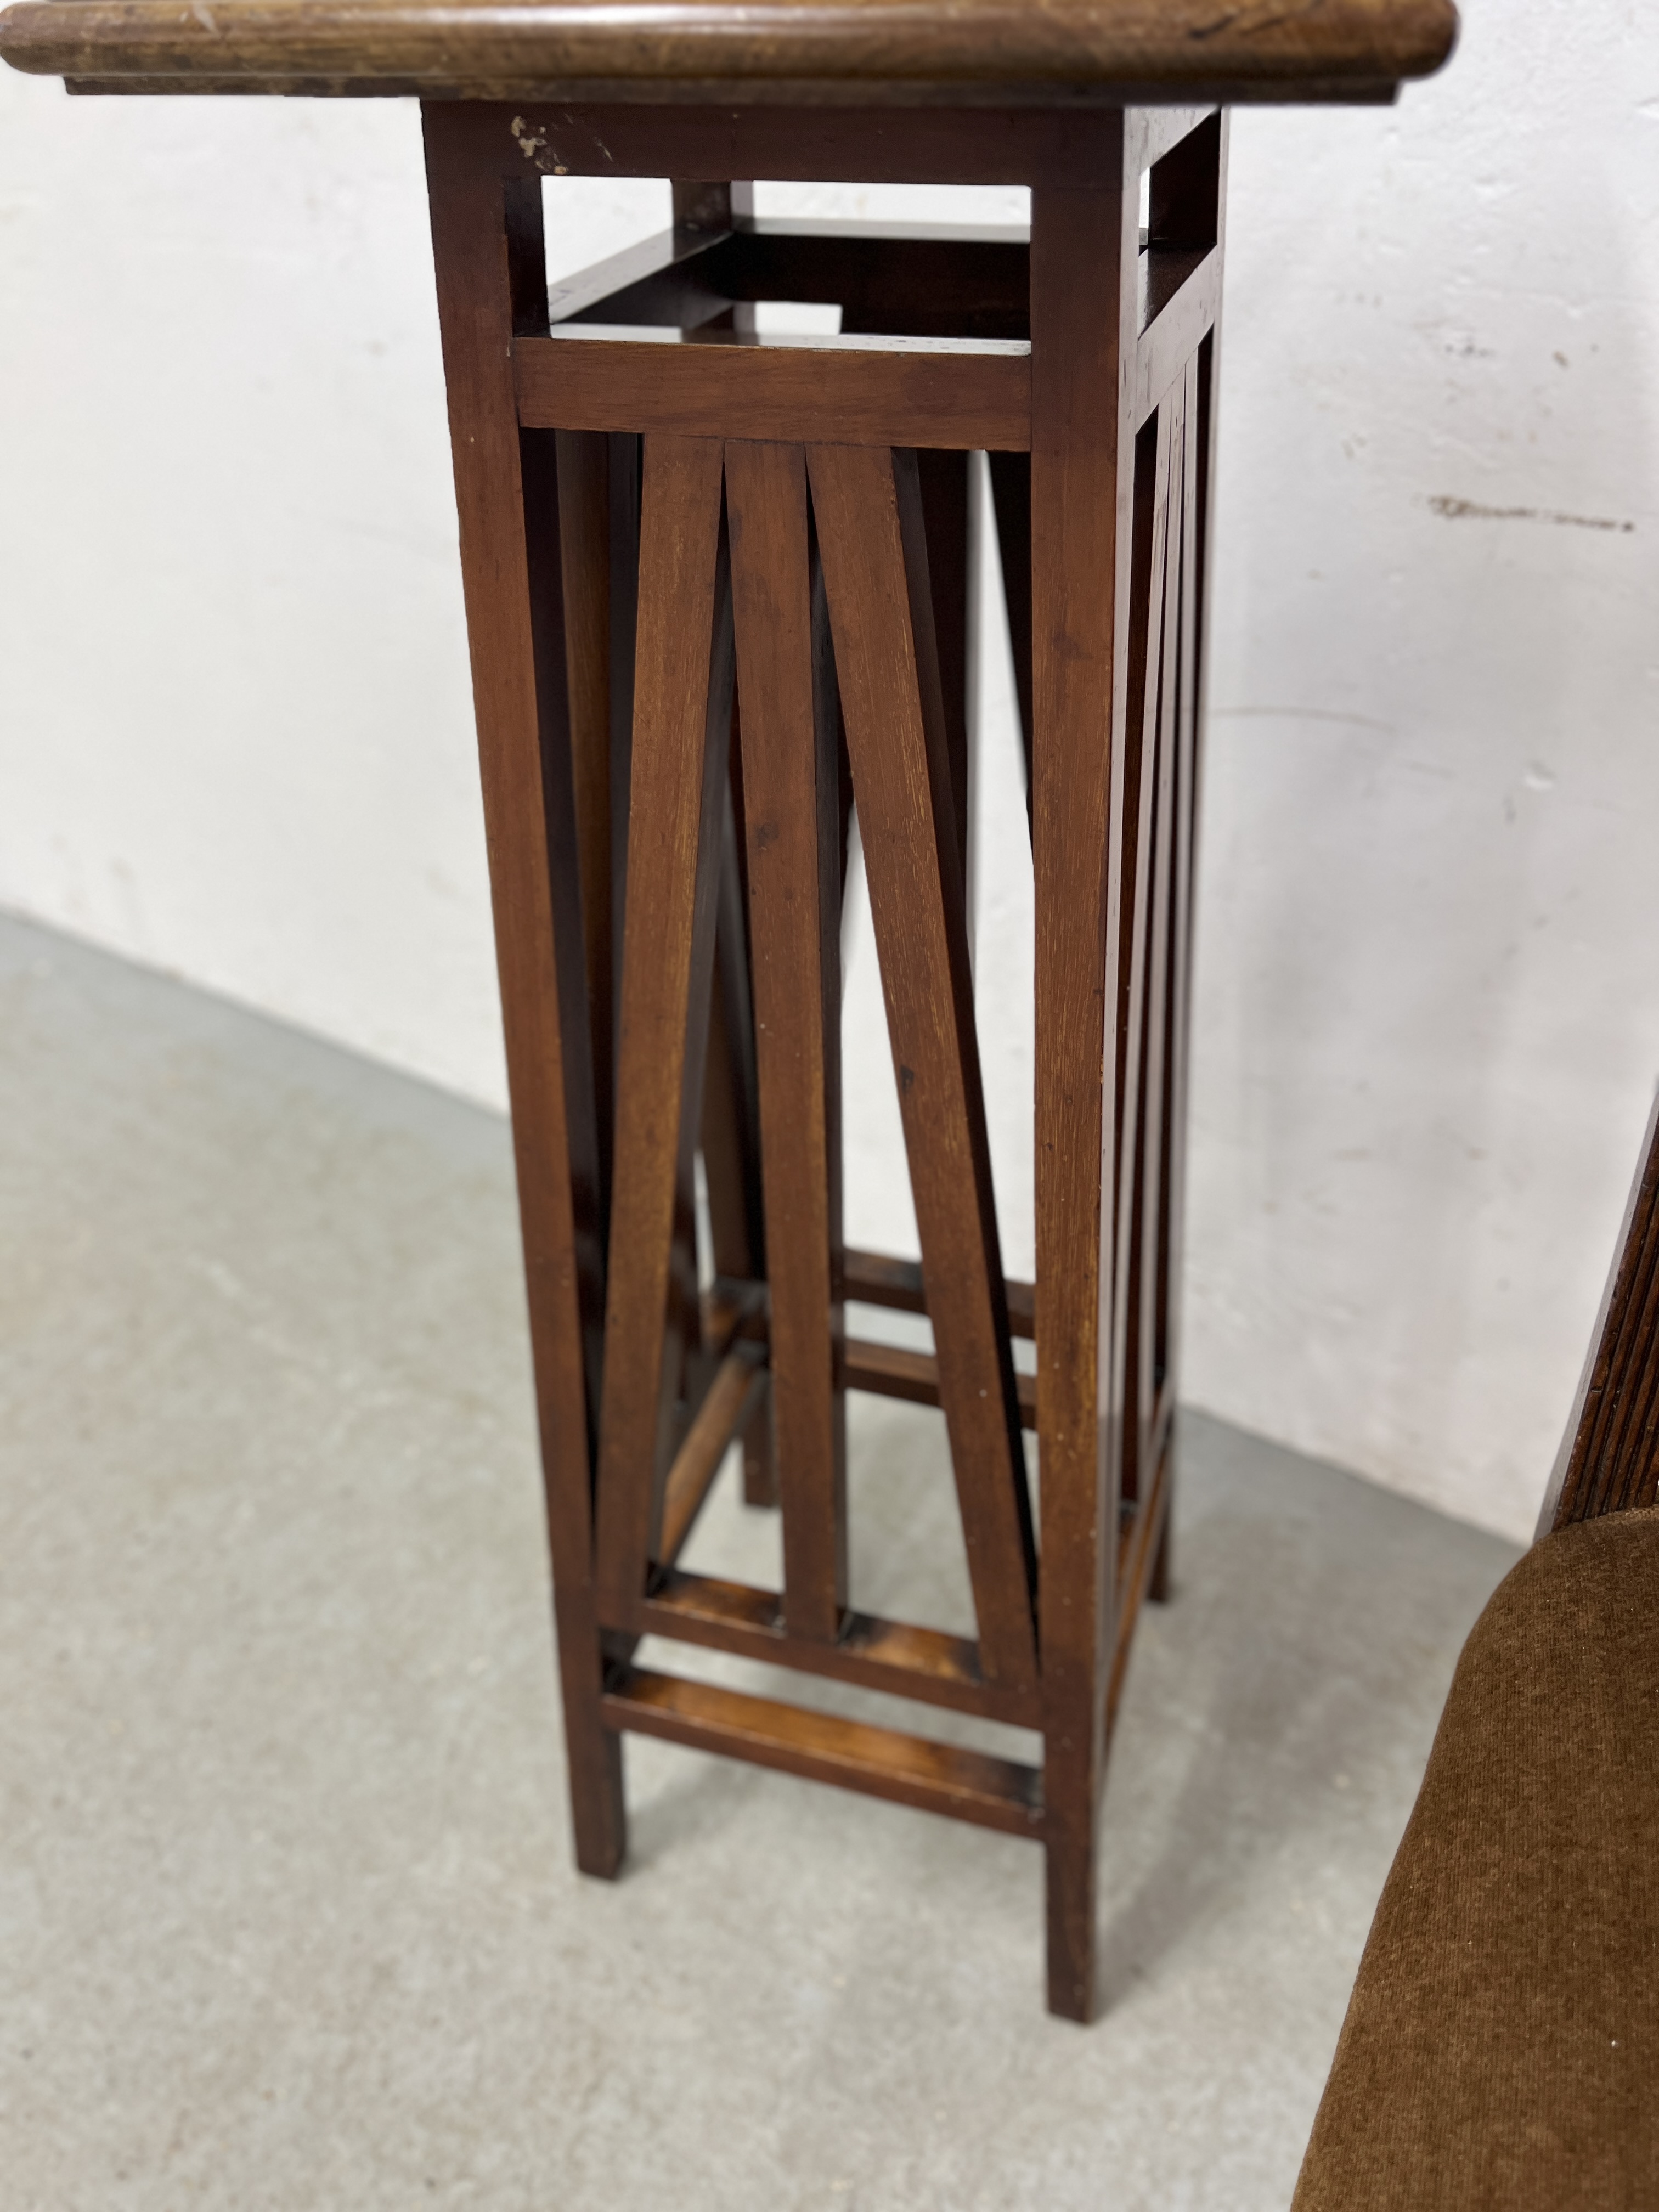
(899, 52)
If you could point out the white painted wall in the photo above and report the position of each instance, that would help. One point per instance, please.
(234, 724)
(1428, 1020)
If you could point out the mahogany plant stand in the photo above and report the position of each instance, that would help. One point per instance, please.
(655, 503)
(717, 595)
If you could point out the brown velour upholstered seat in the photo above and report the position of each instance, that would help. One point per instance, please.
(1501, 2048)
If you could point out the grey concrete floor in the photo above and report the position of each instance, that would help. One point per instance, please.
(287, 1916)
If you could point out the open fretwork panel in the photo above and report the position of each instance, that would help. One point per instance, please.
(747, 614)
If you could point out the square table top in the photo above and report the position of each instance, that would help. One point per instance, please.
(864, 53)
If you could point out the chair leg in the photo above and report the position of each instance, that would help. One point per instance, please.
(1071, 1879)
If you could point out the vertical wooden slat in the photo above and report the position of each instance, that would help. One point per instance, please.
(731, 1126)
(792, 812)
(943, 481)
(1172, 1243)
(486, 252)
(868, 509)
(1146, 701)
(731, 1137)
(1082, 336)
(584, 505)
(1201, 373)
(622, 452)
(731, 1117)
(1011, 497)
(1146, 1276)
(682, 719)
(685, 1373)
(584, 1134)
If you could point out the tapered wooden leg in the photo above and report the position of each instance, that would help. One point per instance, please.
(488, 248)
(1080, 536)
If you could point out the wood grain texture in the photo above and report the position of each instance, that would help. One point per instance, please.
(907, 1770)
(731, 1117)
(582, 1131)
(879, 1279)
(1011, 499)
(1150, 133)
(1183, 198)
(1201, 418)
(819, 142)
(857, 392)
(493, 46)
(681, 733)
(650, 274)
(939, 280)
(923, 1663)
(959, 281)
(730, 1105)
(1194, 520)
(475, 288)
(731, 1125)
(894, 1370)
(1170, 339)
(792, 814)
(944, 480)
(1138, 753)
(868, 507)
(584, 523)
(728, 1405)
(1144, 1010)
(731, 1112)
(1082, 338)
(624, 452)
